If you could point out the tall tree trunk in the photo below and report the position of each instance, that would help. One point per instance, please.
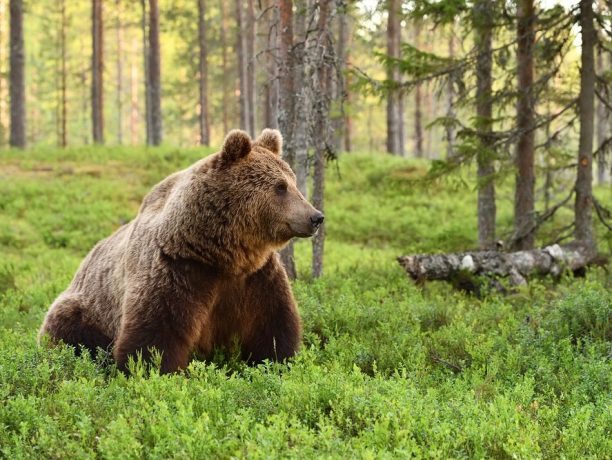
(418, 101)
(584, 187)
(224, 66)
(524, 202)
(271, 85)
(155, 74)
(203, 76)
(17, 76)
(241, 58)
(97, 67)
(134, 96)
(302, 105)
(119, 38)
(250, 65)
(393, 30)
(146, 71)
(450, 99)
(322, 96)
(603, 125)
(63, 76)
(483, 25)
(4, 95)
(285, 103)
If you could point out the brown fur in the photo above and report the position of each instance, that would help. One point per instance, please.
(196, 269)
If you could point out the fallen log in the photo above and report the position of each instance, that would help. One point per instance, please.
(516, 266)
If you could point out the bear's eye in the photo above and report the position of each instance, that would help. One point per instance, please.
(281, 188)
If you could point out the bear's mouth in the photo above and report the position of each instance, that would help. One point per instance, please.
(301, 233)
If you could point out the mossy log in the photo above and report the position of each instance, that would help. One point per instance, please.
(516, 266)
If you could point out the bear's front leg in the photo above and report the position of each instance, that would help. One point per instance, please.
(273, 330)
(168, 319)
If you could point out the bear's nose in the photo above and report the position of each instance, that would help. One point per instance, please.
(317, 219)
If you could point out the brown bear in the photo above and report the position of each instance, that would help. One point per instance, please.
(197, 269)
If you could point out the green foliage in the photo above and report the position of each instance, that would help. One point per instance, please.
(387, 369)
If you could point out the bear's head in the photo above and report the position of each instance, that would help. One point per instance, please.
(262, 191)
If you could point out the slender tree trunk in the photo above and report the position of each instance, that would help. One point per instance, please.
(524, 201)
(584, 187)
(271, 86)
(63, 76)
(603, 126)
(155, 74)
(97, 67)
(134, 96)
(393, 29)
(322, 96)
(4, 94)
(484, 108)
(450, 99)
(224, 65)
(285, 103)
(147, 84)
(250, 65)
(302, 106)
(418, 102)
(241, 58)
(17, 76)
(119, 38)
(203, 77)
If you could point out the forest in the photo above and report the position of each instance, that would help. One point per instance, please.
(457, 300)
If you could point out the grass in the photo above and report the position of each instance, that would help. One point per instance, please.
(387, 369)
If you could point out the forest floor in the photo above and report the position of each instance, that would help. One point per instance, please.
(387, 368)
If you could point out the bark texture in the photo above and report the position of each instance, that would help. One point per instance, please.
(285, 103)
(250, 66)
(524, 201)
(241, 60)
(584, 189)
(322, 97)
(450, 98)
(203, 121)
(483, 25)
(418, 102)
(146, 63)
(271, 85)
(119, 38)
(17, 76)
(604, 128)
(223, 37)
(97, 68)
(62, 99)
(518, 266)
(393, 105)
(155, 74)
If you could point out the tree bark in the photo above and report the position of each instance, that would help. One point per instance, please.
(155, 74)
(119, 38)
(285, 103)
(97, 67)
(450, 99)
(393, 30)
(584, 188)
(203, 76)
(241, 59)
(271, 86)
(63, 138)
(603, 126)
(224, 66)
(250, 66)
(303, 103)
(483, 24)
(518, 266)
(524, 201)
(322, 95)
(4, 91)
(17, 76)
(146, 72)
(134, 96)
(418, 103)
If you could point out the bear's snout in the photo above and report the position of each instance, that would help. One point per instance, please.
(317, 219)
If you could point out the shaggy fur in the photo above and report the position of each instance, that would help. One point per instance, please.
(196, 269)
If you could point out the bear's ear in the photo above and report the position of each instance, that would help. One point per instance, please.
(271, 139)
(237, 144)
